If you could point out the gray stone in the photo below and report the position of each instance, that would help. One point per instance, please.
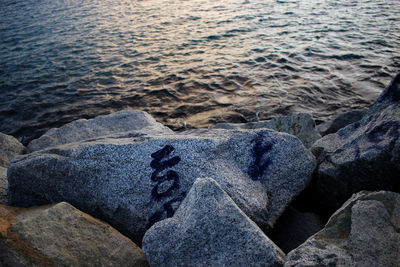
(10, 147)
(293, 228)
(80, 130)
(3, 185)
(340, 121)
(133, 180)
(60, 235)
(363, 232)
(364, 155)
(209, 229)
(301, 125)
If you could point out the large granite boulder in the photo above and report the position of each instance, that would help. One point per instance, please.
(79, 130)
(301, 125)
(364, 155)
(10, 147)
(363, 232)
(133, 180)
(60, 235)
(209, 229)
(3, 185)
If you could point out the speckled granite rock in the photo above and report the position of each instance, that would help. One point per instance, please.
(122, 121)
(363, 232)
(301, 125)
(209, 229)
(3, 185)
(10, 147)
(340, 121)
(134, 180)
(60, 235)
(362, 156)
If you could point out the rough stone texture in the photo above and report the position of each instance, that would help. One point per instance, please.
(364, 155)
(340, 121)
(363, 232)
(293, 228)
(209, 229)
(79, 130)
(301, 125)
(133, 181)
(3, 185)
(60, 235)
(10, 147)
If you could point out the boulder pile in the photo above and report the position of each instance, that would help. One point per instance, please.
(215, 197)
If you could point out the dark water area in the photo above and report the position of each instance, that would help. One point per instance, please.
(191, 63)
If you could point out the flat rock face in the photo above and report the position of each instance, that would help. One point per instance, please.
(134, 180)
(122, 121)
(209, 229)
(60, 235)
(340, 121)
(10, 147)
(364, 155)
(301, 125)
(363, 232)
(3, 185)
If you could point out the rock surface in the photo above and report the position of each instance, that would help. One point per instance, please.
(301, 125)
(10, 147)
(340, 121)
(3, 185)
(209, 229)
(363, 232)
(293, 228)
(133, 180)
(60, 235)
(79, 130)
(362, 156)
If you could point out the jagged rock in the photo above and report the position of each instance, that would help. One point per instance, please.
(209, 229)
(79, 130)
(340, 121)
(60, 235)
(10, 147)
(301, 125)
(363, 232)
(3, 185)
(293, 228)
(364, 155)
(134, 180)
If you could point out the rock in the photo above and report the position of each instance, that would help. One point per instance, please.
(3, 185)
(209, 229)
(10, 147)
(293, 228)
(340, 121)
(364, 155)
(133, 180)
(301, 125)
(79, 130)
(60, 235)
(363, 232)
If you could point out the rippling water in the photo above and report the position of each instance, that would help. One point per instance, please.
(191, 63)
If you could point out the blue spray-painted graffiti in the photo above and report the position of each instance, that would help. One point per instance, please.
(159, 164)
(261, 161)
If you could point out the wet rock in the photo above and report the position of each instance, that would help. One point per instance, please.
(60, 235)
(364, 155)
(301, 125)
(10, 147)
(340, 121)
(293, 228)
(79, 130)
(209, 229)
(3, 185)
(133, 180)
(363, 232)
